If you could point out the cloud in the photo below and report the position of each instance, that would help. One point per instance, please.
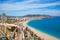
(33, 11)
(41, 11)
(24, 6)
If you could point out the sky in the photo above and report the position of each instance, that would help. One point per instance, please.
(24, 7)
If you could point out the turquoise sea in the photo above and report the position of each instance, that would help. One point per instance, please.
(49, 26)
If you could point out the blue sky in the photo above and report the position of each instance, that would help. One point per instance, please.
(24, 7)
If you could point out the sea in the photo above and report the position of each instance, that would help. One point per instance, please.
(50, 26)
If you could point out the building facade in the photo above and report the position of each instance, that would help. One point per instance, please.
(3, 18)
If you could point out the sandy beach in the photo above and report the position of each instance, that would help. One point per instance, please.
(39, 33)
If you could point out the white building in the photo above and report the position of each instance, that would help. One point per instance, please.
(3, 18)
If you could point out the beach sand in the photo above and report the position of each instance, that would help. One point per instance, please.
(39, 33)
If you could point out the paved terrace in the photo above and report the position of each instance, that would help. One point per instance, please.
(24, 33)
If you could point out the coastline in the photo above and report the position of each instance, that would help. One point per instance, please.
(39, 33)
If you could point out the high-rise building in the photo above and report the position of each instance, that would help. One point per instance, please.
(3, 18)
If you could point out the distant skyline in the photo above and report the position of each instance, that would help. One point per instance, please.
(24, 7)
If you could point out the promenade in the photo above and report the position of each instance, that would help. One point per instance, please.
(24, 32)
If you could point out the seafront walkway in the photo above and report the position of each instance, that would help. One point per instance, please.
(6, 24)
(24, 33)
(9, 35)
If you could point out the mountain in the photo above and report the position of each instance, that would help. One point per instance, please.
(30, 15)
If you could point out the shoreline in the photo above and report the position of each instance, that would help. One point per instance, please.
(39, 33)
